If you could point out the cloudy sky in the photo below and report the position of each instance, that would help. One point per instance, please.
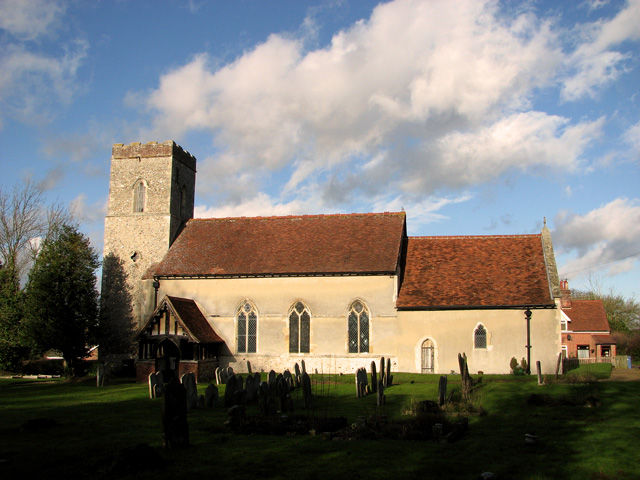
(475, 117)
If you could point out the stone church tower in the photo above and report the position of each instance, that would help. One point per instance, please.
(151, 196)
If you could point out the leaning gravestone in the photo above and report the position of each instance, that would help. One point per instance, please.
(249, 367)
(175, 429)
(211, 396)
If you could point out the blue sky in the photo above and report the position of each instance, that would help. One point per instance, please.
(476, 117)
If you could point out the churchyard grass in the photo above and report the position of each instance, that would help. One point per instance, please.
(585, 430)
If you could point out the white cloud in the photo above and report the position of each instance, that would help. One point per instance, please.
(421, 97)
(600, 237)
(30, 19)
(632, 137)
(33, 83)
(260, 206)
(88, 213)
(594, 63)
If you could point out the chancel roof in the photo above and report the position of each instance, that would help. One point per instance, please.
(475, 271)
(290, 245)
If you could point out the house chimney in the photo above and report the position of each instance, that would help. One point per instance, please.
(565, 294)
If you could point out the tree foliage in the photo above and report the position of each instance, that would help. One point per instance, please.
(623, 313)
(116, 329)
(25, 221)
(61, 307)
(12, 350)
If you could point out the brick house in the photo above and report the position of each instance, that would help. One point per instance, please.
(585, 329)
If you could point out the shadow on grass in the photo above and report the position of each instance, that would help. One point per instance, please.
(96, 427)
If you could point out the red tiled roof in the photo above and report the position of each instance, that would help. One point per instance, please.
(475, 271)
(603, 340)
(193, 320)
(291, 245)
(587, 316)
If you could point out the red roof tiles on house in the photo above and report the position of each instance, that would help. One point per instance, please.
(475, 271)
(292, 245)
(587, 316)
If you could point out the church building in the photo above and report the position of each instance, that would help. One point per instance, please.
(336, 291)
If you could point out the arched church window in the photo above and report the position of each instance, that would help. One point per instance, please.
(139, 196)
(247, 321)
(358, 326)
(299, 328)
(480, 337)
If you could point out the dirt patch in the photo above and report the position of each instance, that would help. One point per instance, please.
(624, 375)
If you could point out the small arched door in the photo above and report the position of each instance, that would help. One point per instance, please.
(428, 356)
(167, 359)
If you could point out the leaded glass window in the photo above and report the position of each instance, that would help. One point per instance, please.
(139, 197)
(247, 320)
(480, 337)
(358, 326)
(299, 328)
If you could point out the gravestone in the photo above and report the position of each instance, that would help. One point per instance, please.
(374, 377)
(100, 374)
(230, 391)
(159, 384)
(152, 384)
(211, 396)
(361, 382)
(218, 373)
(540, 380)
(304, 368)
(297, 377)
(306, 390)
(189, 382)
(272, 382)
(388, 379)
(249, 367)
(289, 379)
(381, 398)
(175, 429)
(239, 383)
(263, 398)
(382, 377)
(252, 388)
(442, 390)
(286, 403)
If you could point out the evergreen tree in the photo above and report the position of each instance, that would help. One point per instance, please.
(61, 307)
(116, 330)
(11, 297)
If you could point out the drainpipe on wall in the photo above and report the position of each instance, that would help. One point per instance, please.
(527, 315)
(156, 286)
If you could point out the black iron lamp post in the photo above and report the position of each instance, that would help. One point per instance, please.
(527, 315)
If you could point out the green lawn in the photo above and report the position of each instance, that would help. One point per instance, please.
(95, 429)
